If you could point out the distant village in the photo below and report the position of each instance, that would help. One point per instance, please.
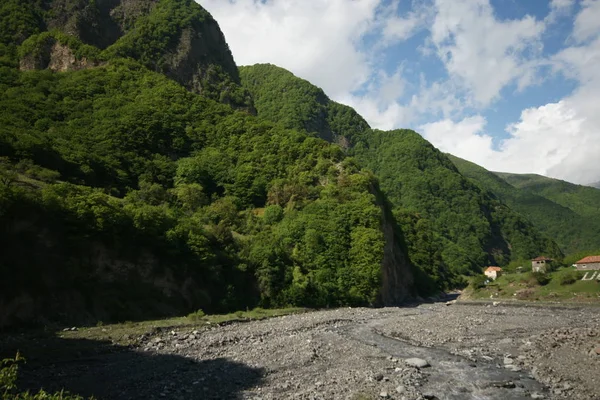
(590, 265)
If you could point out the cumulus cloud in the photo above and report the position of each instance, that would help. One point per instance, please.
(484, 53)
(317, 40)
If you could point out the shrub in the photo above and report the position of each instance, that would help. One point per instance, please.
(541, 278)
(197, 315)
(9, 369)
(568, 277)
(477, 282)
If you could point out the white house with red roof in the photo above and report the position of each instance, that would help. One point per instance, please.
(493, 272)
(588, 263)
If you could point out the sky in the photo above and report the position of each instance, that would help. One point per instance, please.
(512, 85)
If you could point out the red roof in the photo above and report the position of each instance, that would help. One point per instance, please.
(493, 269)
(589, 259)
(542, 258)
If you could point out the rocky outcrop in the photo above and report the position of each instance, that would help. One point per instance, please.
(192, 51)
(56, 57)
(397, 278)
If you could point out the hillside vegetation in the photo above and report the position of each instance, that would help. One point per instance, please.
(127, 194)
(564, 211)
(451, 226)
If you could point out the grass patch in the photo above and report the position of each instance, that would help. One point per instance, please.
(128, 333)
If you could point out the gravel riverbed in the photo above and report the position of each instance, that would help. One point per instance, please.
(432, 351)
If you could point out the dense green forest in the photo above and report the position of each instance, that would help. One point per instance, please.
(125, 194)
(142, 175)
(564, 211)
(451, 226)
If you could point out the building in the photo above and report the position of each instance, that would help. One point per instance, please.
(493, 272)
(541, 264)
(588, 263)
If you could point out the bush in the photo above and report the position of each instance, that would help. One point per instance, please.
(568, 277)
(197, 315)
(477, 282)
(9, 368)
(541, 278)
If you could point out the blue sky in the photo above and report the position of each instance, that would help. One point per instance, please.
(509, 84)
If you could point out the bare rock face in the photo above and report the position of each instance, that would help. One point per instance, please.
(56, 57)
(397, 279)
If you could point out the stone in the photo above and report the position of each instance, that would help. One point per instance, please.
(496, 303)
(378, 377)
(384, 395)
(513, 368)
(417, 362)
(502, 384)
(508, 360)
(537, 396)
(400, 389)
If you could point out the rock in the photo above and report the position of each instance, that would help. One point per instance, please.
(449, 303)
(537, 396)
(495, 304)
(417, 362)
(384, 395)
(512, 367)
(597, 351)
(508, 360)
(400, 389)
(378, 377)
(429, 396)
(502, 384)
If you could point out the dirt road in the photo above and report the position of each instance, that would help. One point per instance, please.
(471, 352)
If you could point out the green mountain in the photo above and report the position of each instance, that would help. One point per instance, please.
(135, 181)
(450, 224)
(581, 199)
(560, 209)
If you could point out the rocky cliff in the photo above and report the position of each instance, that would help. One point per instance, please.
(175, 37)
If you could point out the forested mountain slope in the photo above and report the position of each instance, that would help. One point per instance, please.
(136, 183)
(574, 228)
(583, 200)
(451, 225)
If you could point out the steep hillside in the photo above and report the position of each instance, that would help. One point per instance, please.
(573, 231)
(297, 104)
(174, 37)
(449, 223)
(128, 192)
(583, 200)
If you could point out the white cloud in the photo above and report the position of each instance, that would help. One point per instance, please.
(552, 140)
(587, 22)
(559, 8)
(317, 40)
(483, 53)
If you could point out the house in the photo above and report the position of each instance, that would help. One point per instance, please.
(588, 263)
(493, 272)
(541, 264)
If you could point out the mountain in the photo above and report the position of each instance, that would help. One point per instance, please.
(450, 224)
(136, 181)
(557, 208)
(594, 185)
(581, 199)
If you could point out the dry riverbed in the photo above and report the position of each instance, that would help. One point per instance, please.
(471, 351)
